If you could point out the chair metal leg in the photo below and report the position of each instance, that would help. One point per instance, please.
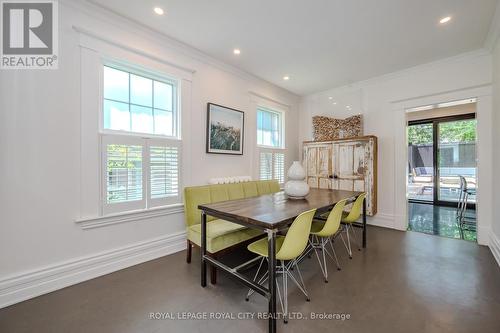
(348, 246)
(320, 246)
(302, 285)
(352, 229)
(335, 255)
(250, 291)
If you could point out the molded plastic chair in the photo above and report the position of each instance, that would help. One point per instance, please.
(348, 219)
(324, 233)
(288, 248)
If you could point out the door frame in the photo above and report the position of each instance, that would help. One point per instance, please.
(435, 155)
(484, 141)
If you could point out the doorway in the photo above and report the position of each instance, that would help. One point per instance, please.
(442, 170)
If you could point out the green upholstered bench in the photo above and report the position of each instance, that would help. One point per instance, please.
(221, 235)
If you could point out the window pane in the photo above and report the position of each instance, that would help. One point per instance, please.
(124, 173)
(276, 139)
(116, 116)
(164, 170)
(115, 84)
(163, 96)
(141, 90)
(142, 119)
(163, 122)
(260, 138)
(269, 128)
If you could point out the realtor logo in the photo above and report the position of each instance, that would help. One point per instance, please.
(29, 35)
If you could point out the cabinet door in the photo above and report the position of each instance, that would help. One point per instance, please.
(318, 165)
(325, 183)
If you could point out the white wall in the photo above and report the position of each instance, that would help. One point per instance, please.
(41, 246)
(382, 101)
(495, 236)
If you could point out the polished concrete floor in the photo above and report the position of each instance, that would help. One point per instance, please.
(404, 282)
(440, 221)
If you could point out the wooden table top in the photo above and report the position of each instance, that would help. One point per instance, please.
(274, 211)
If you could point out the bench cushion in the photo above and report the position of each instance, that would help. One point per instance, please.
(221, 234)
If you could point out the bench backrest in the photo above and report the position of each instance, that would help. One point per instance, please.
(198, 195)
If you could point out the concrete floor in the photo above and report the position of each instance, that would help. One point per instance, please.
(404, 282)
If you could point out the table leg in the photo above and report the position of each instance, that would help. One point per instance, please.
(271, 238)
(203, 249)
(364, 223)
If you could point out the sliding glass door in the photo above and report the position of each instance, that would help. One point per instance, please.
(440, 152)
(457, 158)
(421, 162)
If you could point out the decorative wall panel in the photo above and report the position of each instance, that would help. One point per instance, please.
(326, 128)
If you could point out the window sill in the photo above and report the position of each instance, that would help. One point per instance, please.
(131, 216)
(271, 147)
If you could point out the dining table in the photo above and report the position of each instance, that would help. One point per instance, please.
(270, 213)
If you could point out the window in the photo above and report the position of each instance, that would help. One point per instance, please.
(270, 140)
(140, 144)
(135, 103)
(269, 128)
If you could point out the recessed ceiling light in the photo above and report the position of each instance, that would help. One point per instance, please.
(445, 20)
(330, 98)
(158, 10)
(334, 103)
(348, 107)
(236, 51)
(286, 78)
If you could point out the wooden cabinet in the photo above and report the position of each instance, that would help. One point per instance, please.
(346, 164)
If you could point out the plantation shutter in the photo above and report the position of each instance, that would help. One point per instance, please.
(272, 166)
(124, 178)
(266, 166)
(124, 173)
(164, 173)
(279, 167)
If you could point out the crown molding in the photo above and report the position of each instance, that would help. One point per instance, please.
(408, 71)
(494, 32)
(97, 11)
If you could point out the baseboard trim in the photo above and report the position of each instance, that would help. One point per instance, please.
(382, 220)
(21, 287)
(495, 247)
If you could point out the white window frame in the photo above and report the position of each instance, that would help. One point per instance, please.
(145, 140)
(149, 74)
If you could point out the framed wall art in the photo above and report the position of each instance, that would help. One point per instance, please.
(224, 130)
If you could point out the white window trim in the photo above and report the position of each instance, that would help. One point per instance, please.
(135, 138)
(95, 50)
(129, 216)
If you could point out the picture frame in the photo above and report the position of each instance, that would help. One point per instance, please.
(225, 130)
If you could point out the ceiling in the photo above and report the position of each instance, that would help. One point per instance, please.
(319, 44)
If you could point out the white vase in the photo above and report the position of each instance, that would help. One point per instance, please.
(296, 187)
